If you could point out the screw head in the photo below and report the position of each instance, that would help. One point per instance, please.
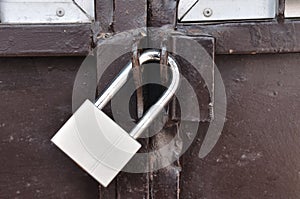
(207, 12)
(60, 12)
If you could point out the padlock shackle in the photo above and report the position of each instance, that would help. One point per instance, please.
(151, 55)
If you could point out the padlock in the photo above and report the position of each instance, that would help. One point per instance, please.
(99, 145)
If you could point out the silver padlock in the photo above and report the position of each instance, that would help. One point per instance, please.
(99, 145)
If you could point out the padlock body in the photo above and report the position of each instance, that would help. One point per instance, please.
(96, 143)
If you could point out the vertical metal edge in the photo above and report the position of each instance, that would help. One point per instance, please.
(115, 16)
(280, 10)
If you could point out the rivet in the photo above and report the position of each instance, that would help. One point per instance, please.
(207, 12)
(60, 12)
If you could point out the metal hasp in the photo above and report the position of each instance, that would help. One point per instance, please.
(48, 11)
(155, 109)
(218, 10)
(99, 145)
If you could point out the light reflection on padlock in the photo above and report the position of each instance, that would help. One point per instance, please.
(99, 145)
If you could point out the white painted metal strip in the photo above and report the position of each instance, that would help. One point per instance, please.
(292, 8)
(50, 11)
(219, 10)
(184, 6)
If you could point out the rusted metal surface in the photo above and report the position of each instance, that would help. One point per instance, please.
(126, 185)
(165, 183)
(45, 40)
(232, 38)
(278, 35)
(164, 63)
(257, 155)
(36, 100)
(105, 15)
(281, 9)
(273, 36)
(129, 14)
(251, 38)
(161, 12)
(137, 76)
(195, 79)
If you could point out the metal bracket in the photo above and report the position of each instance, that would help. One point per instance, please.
(49, 11)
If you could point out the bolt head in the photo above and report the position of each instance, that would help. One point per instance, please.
(207, 12)
(60, 12)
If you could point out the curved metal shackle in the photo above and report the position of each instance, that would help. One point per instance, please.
(151, 55)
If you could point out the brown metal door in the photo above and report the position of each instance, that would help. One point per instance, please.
(255, 157)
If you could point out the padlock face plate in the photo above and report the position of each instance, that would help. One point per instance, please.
(96, 143)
